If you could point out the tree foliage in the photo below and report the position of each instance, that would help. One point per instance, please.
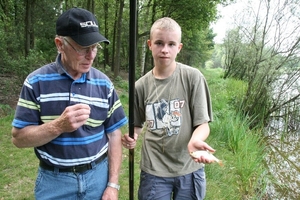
(263, 50)
(28, 27)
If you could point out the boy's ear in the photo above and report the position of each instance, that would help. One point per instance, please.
(149, 44)
(180, 47)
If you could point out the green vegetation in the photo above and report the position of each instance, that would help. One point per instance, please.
(18, 166)
(240, 148)
(27, 31)
(270, 67)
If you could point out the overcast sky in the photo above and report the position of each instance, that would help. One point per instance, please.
(288, 26)
(224, 23)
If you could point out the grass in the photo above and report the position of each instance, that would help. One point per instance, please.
(18, 166)
(240, 149)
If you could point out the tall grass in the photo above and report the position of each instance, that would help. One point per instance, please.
(240, 148)
(244, 153)
(243, 149)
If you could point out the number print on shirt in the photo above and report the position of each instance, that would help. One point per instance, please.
(165, 115)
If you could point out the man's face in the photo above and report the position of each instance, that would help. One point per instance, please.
(77, 59)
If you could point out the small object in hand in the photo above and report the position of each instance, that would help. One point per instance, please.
(206, 154)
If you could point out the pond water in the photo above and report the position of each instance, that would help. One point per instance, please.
(283, 161)
(283, 140)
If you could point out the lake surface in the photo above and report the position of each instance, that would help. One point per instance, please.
(283, 161)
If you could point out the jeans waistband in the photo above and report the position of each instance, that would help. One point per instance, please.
(76, 169)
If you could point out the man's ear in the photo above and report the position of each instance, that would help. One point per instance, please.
(59, 44)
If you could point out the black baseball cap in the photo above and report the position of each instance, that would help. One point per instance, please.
(81, 25)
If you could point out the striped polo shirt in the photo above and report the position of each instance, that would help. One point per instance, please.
(46, 93)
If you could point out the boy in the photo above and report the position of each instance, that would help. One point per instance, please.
(174, 101)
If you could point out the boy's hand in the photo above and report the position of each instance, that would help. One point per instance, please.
(200, 145)
(129, 142)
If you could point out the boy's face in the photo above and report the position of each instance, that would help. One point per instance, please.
(165, 45)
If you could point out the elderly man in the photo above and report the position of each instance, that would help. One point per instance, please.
(70, 113)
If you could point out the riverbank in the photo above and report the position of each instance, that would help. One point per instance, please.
(241, 150)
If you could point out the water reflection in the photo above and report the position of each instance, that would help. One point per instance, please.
(283, 162)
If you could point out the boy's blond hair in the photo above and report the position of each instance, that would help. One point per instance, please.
(166, 23)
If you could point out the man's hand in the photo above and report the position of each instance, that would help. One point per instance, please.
(74, 117)
(110, 194)
(37, 135)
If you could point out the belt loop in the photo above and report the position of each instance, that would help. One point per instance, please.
(56, 170)
(74, 169)
(93, 164)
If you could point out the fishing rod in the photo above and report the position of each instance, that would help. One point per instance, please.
(131, 76)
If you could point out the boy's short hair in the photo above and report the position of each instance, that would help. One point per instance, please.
(165, 23)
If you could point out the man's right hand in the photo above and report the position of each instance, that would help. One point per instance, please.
(74, 117)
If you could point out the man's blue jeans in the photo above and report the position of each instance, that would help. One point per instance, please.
(188, 187)
(72, 186)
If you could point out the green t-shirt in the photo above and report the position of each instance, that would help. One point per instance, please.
(171, 108)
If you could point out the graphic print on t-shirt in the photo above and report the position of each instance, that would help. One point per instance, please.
(164, 115)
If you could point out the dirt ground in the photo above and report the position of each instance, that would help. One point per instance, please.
(10, 88)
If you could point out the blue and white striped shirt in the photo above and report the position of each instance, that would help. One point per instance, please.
(48, 91)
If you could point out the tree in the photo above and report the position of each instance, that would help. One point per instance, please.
(34, 38)
(118, 38)
(29, 31)
(265, 53)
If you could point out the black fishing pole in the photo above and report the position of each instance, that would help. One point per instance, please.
(131, 76)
